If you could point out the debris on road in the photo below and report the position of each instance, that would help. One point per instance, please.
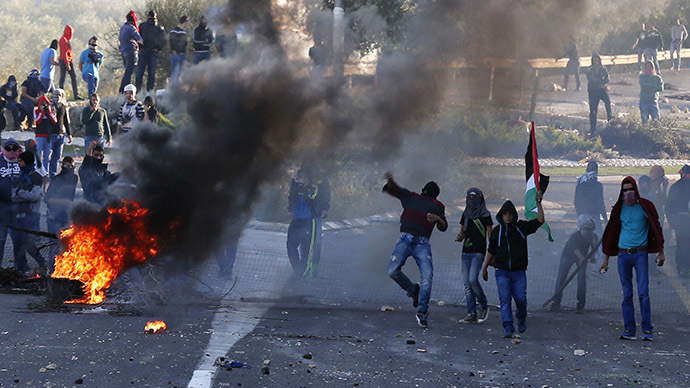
(411, 342)
(387, 308)
(267, 362)
(578, 352)
(307, 356)
(265, 370)
(421, 350)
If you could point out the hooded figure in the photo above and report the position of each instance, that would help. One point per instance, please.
(632, 233)
(8, 99)
(655, 238)
(597, 80)
(202, 37)
(66, 58)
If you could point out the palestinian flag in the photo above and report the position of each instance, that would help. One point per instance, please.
(534, 179)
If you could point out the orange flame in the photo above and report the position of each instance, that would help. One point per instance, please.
(96, 253)
(155, 326)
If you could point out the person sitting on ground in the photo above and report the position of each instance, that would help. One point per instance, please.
(26, 198)
(507, 252)
(31, 91)
(476, 226)
(60, 196)
(650, 86)
(94, 175)
(131, 111)
(9, 93)
(96, 123)
(578, 250)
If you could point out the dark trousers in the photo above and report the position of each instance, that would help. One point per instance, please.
(574, 69)
(300, 244)
(681, 227)
(72, 75)
(129, 60)
(26, 243)
(147, 59)
(594, 97)
(18, 112)
(567, 262)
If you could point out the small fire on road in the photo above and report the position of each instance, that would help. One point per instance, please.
(153, 327)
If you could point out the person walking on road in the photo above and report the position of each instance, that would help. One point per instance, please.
(678, 213)
(597, 83)
(476, 226)
(589, 200)
(421, 213)
(632, 233)
(507, 253)
(651, 84)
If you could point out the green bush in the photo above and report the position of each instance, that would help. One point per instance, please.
(654, 140)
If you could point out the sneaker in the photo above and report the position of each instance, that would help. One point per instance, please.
(522, 326)
(508, 332)
(555, 307)
(516, 336)
(628, 336)
(469, 319)
(482, 314)
(578, 89)
(421, 319)
(415, 295)
(647, 336)
(580, 309)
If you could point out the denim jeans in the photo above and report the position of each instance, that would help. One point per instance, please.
(594, 97)
(26, 243)
(650, 54)
(89, 139)
(639, 261)
(147, 59)
(177, 62)
(566, 263)
(91, 83)
(28, 106)
(676, 46)
(640, 55)
(47, 85)
(200, 57)
(130, 60)
(43, 144)
(226, 258)
(512, 285)
(471, 265)
(17, 112)
(419, 248)
(647, 109)
(56, 143)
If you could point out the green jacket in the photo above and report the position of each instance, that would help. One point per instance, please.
(96, 123)
(650, 86)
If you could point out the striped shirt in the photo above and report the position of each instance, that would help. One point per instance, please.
(415, 208)
(130, 114)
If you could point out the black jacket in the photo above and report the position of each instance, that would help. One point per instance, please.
(508, 243)
(654, 40)
(95, 179)
(202, 38)
(63, 123)
(678, 201)
(589, 198)
(153, 35)
(9, 93)
(178, 40)
(62, 186)
(597, 78)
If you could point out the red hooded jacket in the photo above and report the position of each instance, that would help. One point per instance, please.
(655, 238)
(65, 46)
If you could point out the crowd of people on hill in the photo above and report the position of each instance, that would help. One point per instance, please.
(648, 42)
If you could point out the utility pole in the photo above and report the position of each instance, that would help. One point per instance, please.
(339, 39)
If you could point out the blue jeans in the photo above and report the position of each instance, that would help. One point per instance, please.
(17, 112)
(639, 261)
(47, 85)
(147, 58)
(56, 143)
(91, 82)
(129, 60)
(28, 106)
(650, 54)
(419, 248)
(199, 57)
(226, 258)
(640, 55)
(647, 109)
(177, 62)
(512, 285)
(43, 144)
(676, 46)
(471, 265)
(89, 139)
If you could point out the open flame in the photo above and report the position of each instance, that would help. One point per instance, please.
(155, 326)
(96, 252)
